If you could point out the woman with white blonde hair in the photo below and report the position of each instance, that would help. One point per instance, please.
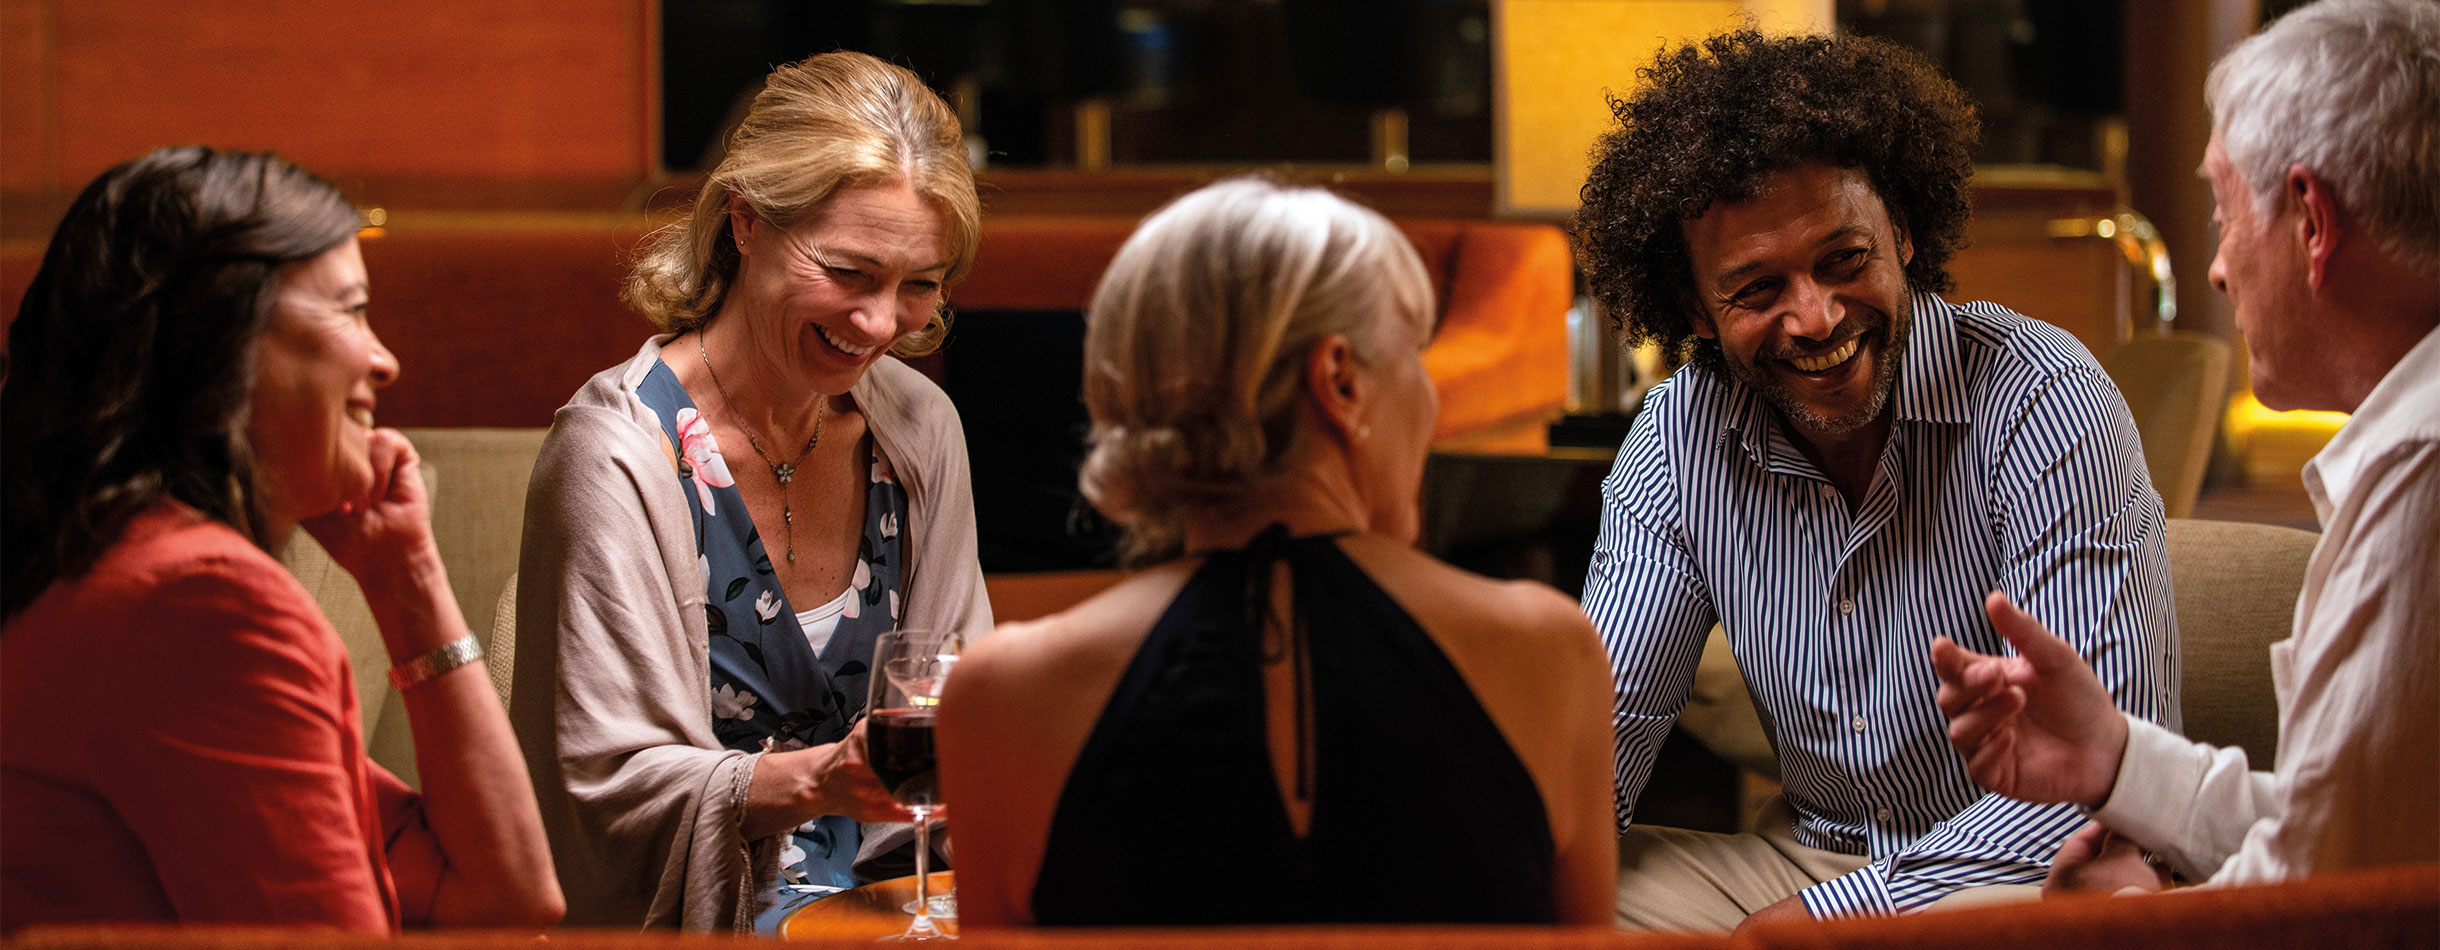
(1299, 717)
(696, 622)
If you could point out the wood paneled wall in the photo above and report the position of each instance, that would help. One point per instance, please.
(404, 100)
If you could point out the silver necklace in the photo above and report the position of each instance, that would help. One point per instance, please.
(784, 472)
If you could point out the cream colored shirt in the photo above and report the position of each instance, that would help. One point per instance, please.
(2357, 782)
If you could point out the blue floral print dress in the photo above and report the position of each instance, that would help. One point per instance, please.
(770, 690)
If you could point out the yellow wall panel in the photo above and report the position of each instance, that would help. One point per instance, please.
(1558, 61)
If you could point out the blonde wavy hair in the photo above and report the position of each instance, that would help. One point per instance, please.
(1196, 340)
(831, 121)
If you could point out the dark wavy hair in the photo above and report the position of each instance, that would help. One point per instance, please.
(1718, 117)
(130, 367)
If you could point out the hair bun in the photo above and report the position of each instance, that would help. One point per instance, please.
(1197, 336)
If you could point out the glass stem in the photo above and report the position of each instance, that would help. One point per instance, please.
(923, 871)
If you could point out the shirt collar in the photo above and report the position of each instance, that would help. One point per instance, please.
(1748, 417)
(2398, 409)
(1931, 383)
(1931, 387)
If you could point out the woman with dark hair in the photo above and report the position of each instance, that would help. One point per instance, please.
(190, 378)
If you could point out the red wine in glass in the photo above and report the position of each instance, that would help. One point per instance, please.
(900, 744)
(912, 665)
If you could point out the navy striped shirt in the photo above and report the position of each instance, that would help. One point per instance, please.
(2012, 465)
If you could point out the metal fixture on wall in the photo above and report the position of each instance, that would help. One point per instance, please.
(1093, 135)
(1389, 152)
(2141, 244)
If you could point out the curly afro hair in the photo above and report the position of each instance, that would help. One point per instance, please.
(1719, 117)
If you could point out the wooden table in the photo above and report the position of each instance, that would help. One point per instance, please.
(870, 912)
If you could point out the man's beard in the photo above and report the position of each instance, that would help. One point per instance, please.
(1884, 382)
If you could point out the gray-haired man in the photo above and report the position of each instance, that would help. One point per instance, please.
(2325, 161)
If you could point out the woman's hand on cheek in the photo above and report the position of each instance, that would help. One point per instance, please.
(384, 537)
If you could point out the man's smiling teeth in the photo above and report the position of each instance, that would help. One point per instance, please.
(841, 344)
(1816, 364)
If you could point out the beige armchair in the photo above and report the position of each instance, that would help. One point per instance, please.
(476, 479)
(2175, 384)
(2236, 588)
(478, 511)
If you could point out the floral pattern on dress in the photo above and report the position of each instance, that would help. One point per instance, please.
(728, 702)
(769, 690)
(855, 589)
(699, 458)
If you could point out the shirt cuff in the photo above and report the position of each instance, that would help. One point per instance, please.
(1863, 892)
(2154, 803)
(2155, 781)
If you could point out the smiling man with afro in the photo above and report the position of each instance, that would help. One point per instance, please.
(1844, 465)
(1721, 117)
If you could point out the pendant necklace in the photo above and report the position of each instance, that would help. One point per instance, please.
(784, 472)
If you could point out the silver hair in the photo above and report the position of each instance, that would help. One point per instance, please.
(1195, 339)
(2351, 90)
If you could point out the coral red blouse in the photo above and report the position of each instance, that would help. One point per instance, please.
(179, 741)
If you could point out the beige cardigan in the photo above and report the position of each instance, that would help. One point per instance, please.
(612, 699)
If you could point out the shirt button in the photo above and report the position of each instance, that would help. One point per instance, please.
(1856, 723)
(1884, 816)
(1846, 605)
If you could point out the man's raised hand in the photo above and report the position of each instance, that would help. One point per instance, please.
(2037, 726)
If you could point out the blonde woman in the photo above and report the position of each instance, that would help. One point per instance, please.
(719, 528)
(1300, 717)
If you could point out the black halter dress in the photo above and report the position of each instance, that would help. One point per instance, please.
(1420, 810)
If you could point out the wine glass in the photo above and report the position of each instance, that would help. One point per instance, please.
(910, 666)
(938, 906)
